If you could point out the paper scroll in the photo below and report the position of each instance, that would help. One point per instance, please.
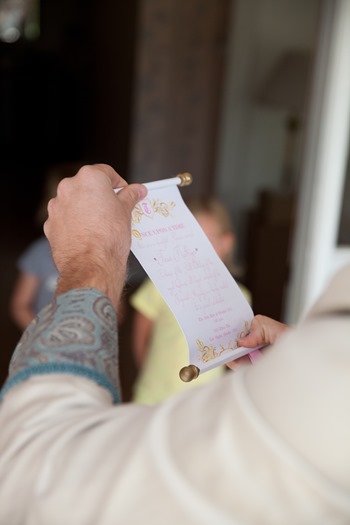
(180, 260)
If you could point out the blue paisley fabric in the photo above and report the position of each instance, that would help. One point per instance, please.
(75, 334)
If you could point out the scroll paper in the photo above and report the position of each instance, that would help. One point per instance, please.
(182, 263)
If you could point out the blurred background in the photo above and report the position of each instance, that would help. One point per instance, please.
(250, 96)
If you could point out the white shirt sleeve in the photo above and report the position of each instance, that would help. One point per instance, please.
(268, 444)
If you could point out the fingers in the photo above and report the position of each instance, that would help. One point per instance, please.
(116, 180)
(132, 193)
(263, 331)
(251, 340)
(92, 188)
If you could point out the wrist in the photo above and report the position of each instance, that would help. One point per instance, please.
(91, 273)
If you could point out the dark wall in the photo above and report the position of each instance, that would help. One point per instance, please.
(66, 96)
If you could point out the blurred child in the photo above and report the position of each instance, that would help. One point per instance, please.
(36, 281)
(159, 346)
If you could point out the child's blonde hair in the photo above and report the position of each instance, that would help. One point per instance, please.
(214, 208)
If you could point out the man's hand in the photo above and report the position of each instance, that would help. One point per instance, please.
(263, 331)
(89, 229)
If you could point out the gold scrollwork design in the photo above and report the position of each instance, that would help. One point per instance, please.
(148, 208)
(209, 352)
(136, 234)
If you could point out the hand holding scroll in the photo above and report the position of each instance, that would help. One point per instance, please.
(263, 332)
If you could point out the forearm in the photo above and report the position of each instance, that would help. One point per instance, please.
(140, 353)
(22, 301)
(142, 330)
(75, 334)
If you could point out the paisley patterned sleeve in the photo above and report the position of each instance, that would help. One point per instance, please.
(74, 334)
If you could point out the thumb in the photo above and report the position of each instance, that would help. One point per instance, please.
(131, 194)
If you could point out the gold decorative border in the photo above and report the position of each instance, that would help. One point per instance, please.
(149, 207)
(208, 352)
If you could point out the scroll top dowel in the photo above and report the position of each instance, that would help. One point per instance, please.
(186, 179)
(188, 373)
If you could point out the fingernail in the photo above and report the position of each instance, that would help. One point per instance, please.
(142, 191)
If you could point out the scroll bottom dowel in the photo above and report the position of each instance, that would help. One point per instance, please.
(188, 373)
